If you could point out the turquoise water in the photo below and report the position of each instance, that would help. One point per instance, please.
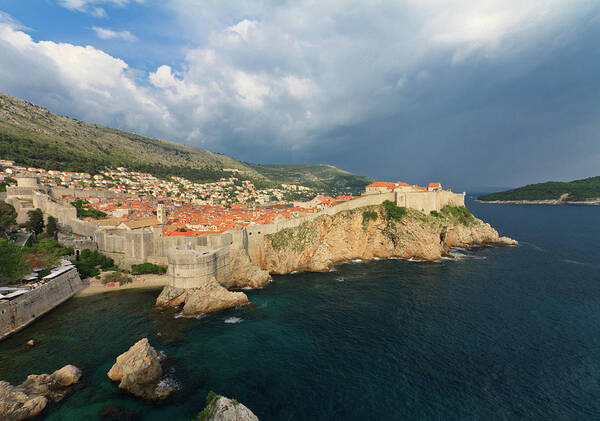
(501, 333)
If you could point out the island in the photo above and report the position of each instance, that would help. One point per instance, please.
(581, 192)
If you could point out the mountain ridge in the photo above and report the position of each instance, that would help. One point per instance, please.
(34, 136)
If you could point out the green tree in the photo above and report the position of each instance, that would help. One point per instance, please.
(13, 262)
(8, 217)
(52, 227)
(36, 221)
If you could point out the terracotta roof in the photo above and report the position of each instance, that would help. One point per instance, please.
(142, 223)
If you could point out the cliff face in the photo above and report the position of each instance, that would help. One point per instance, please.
(368, 233)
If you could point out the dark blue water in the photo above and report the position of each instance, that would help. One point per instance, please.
(502, 333)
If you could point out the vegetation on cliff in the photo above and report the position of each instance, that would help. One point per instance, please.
(295, 238)
(578, 190)
(393, 211)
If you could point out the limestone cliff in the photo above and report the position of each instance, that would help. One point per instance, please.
(244, 272)
(371, 232)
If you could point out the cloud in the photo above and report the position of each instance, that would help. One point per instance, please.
(90, 6)
(104, 33)
(272, 81)
(77, 80)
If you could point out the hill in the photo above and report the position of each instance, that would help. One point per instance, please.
(33, 136)
(587, 189)
(319, 177)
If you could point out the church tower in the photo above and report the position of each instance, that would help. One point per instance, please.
(161, 214)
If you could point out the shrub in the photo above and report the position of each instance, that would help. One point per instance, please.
(116, 276)
(459, 213)
(83, 211)
(369, 215)
(392, 211)
(43, 272)
(206, 413)
(147, 268)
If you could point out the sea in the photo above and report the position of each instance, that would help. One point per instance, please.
(492, 334)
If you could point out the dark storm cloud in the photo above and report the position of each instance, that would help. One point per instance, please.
(496, 93)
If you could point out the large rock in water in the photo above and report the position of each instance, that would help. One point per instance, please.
(31, 397)
(209, 297)
(220, 408)
(139, 372)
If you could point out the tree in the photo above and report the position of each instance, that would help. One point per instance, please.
(8, 217)
(36, 221)
(13, 264)
(52, 227)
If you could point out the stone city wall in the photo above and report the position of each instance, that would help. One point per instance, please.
(422, 201)
(58, 192)
(25, 309)
(429, 201)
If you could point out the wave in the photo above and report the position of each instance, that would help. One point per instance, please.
(575, 262)
(178, 316)
(340, 279)
(233, 320)
(169, 381)
(357, 261)
(533, 246)
(200, 316)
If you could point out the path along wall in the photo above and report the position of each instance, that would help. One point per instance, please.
(25, 309)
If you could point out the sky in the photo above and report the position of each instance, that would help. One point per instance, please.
(471, 94)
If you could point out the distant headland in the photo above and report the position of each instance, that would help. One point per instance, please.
(581, 192)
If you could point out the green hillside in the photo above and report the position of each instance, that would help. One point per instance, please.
(578, 190)
(320, 177)
(33, 136)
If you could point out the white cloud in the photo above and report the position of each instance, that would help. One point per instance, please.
(104, 33)
(276, 74)
(75, 79)
(98, 12)
(90, 6)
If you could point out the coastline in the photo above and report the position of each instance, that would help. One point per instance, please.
(593, 202)
(95, 286)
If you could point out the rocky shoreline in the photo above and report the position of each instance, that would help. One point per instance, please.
(31, 397)
(320, 244)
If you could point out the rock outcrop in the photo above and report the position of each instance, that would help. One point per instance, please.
(209, 297)
(220, 408)
(139, 372)
(369, 233)
(244, 272)
(31, 397)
